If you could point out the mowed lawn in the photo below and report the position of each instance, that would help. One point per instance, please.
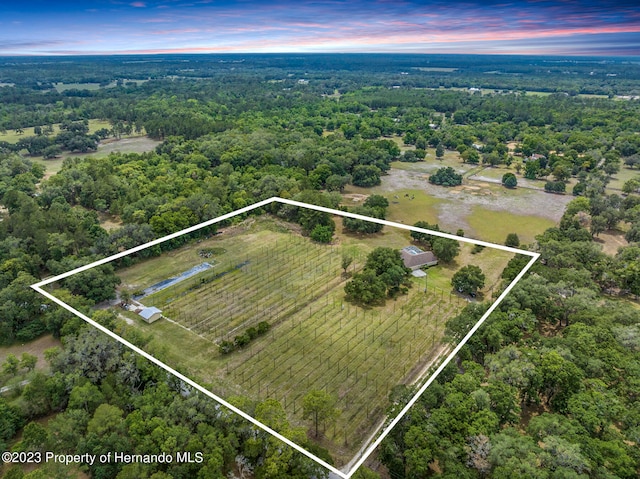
(317, 340)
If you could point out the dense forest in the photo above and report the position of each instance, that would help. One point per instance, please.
(547, 388)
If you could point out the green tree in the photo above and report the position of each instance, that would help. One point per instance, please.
(28, 361)
(509, 180)
(445, 249)
(356, 225)
(365, 288)
(468, 280)
(378, 202)
(322, 234)
(10, 365)
(34, 437)
(387, 265)
(446, 176)
(632, 185)
(87, 397)
(320, 406)
(471, 156)
(598, 225)
(366, 175)
(512, 240)
(560, 380)
(347, 259)
(10, 421)
(424, 238)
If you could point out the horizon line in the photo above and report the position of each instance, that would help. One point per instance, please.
(290, 52)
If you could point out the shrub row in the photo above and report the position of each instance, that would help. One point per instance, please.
(245, 338)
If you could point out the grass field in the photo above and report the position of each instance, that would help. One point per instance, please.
(37, 347)
(136, 144)
(431, 164)
(494, 226)
(265, 272)
(11, 136)
(619, 179)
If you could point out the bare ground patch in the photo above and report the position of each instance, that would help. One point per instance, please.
(138, 144)
(109, 222)
(521, 201)
(611, 241)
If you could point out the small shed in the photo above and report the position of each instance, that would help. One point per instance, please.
(414, 258)
(150, 314)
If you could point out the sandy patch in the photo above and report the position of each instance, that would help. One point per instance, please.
(526, 203)
(611, 241)
(356, 197)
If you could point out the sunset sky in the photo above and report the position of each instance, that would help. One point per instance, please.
(559, 27)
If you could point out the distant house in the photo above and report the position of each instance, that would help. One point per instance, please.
(150, 314)
(414, 258)
(535, 157)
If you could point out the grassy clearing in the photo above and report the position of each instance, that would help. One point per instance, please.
(153, 270)
(316, 341)
(431, 163)
(37, 347)
(496, 225)
(133, 144)
(409, 206)
(109, 222)
(619, 179)
(138, 144)
(11, 136)
(60, 87)
(435, 69)
(52, 166)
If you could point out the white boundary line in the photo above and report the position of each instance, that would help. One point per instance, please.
(345, 475)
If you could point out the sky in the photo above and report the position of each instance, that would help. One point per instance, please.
(530, 27)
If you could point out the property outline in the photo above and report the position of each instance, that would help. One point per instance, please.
(369, 450)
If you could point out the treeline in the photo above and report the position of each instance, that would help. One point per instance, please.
(55, 228)
(105, 398)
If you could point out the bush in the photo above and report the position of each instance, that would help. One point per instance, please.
(446, 177)
(322, 234)
(252, 333)
(478, 248)
(241, 340)
(512, 240)
(555, 186)
(413, 156)
(509, 180)
(355, 225)
(227, 347)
